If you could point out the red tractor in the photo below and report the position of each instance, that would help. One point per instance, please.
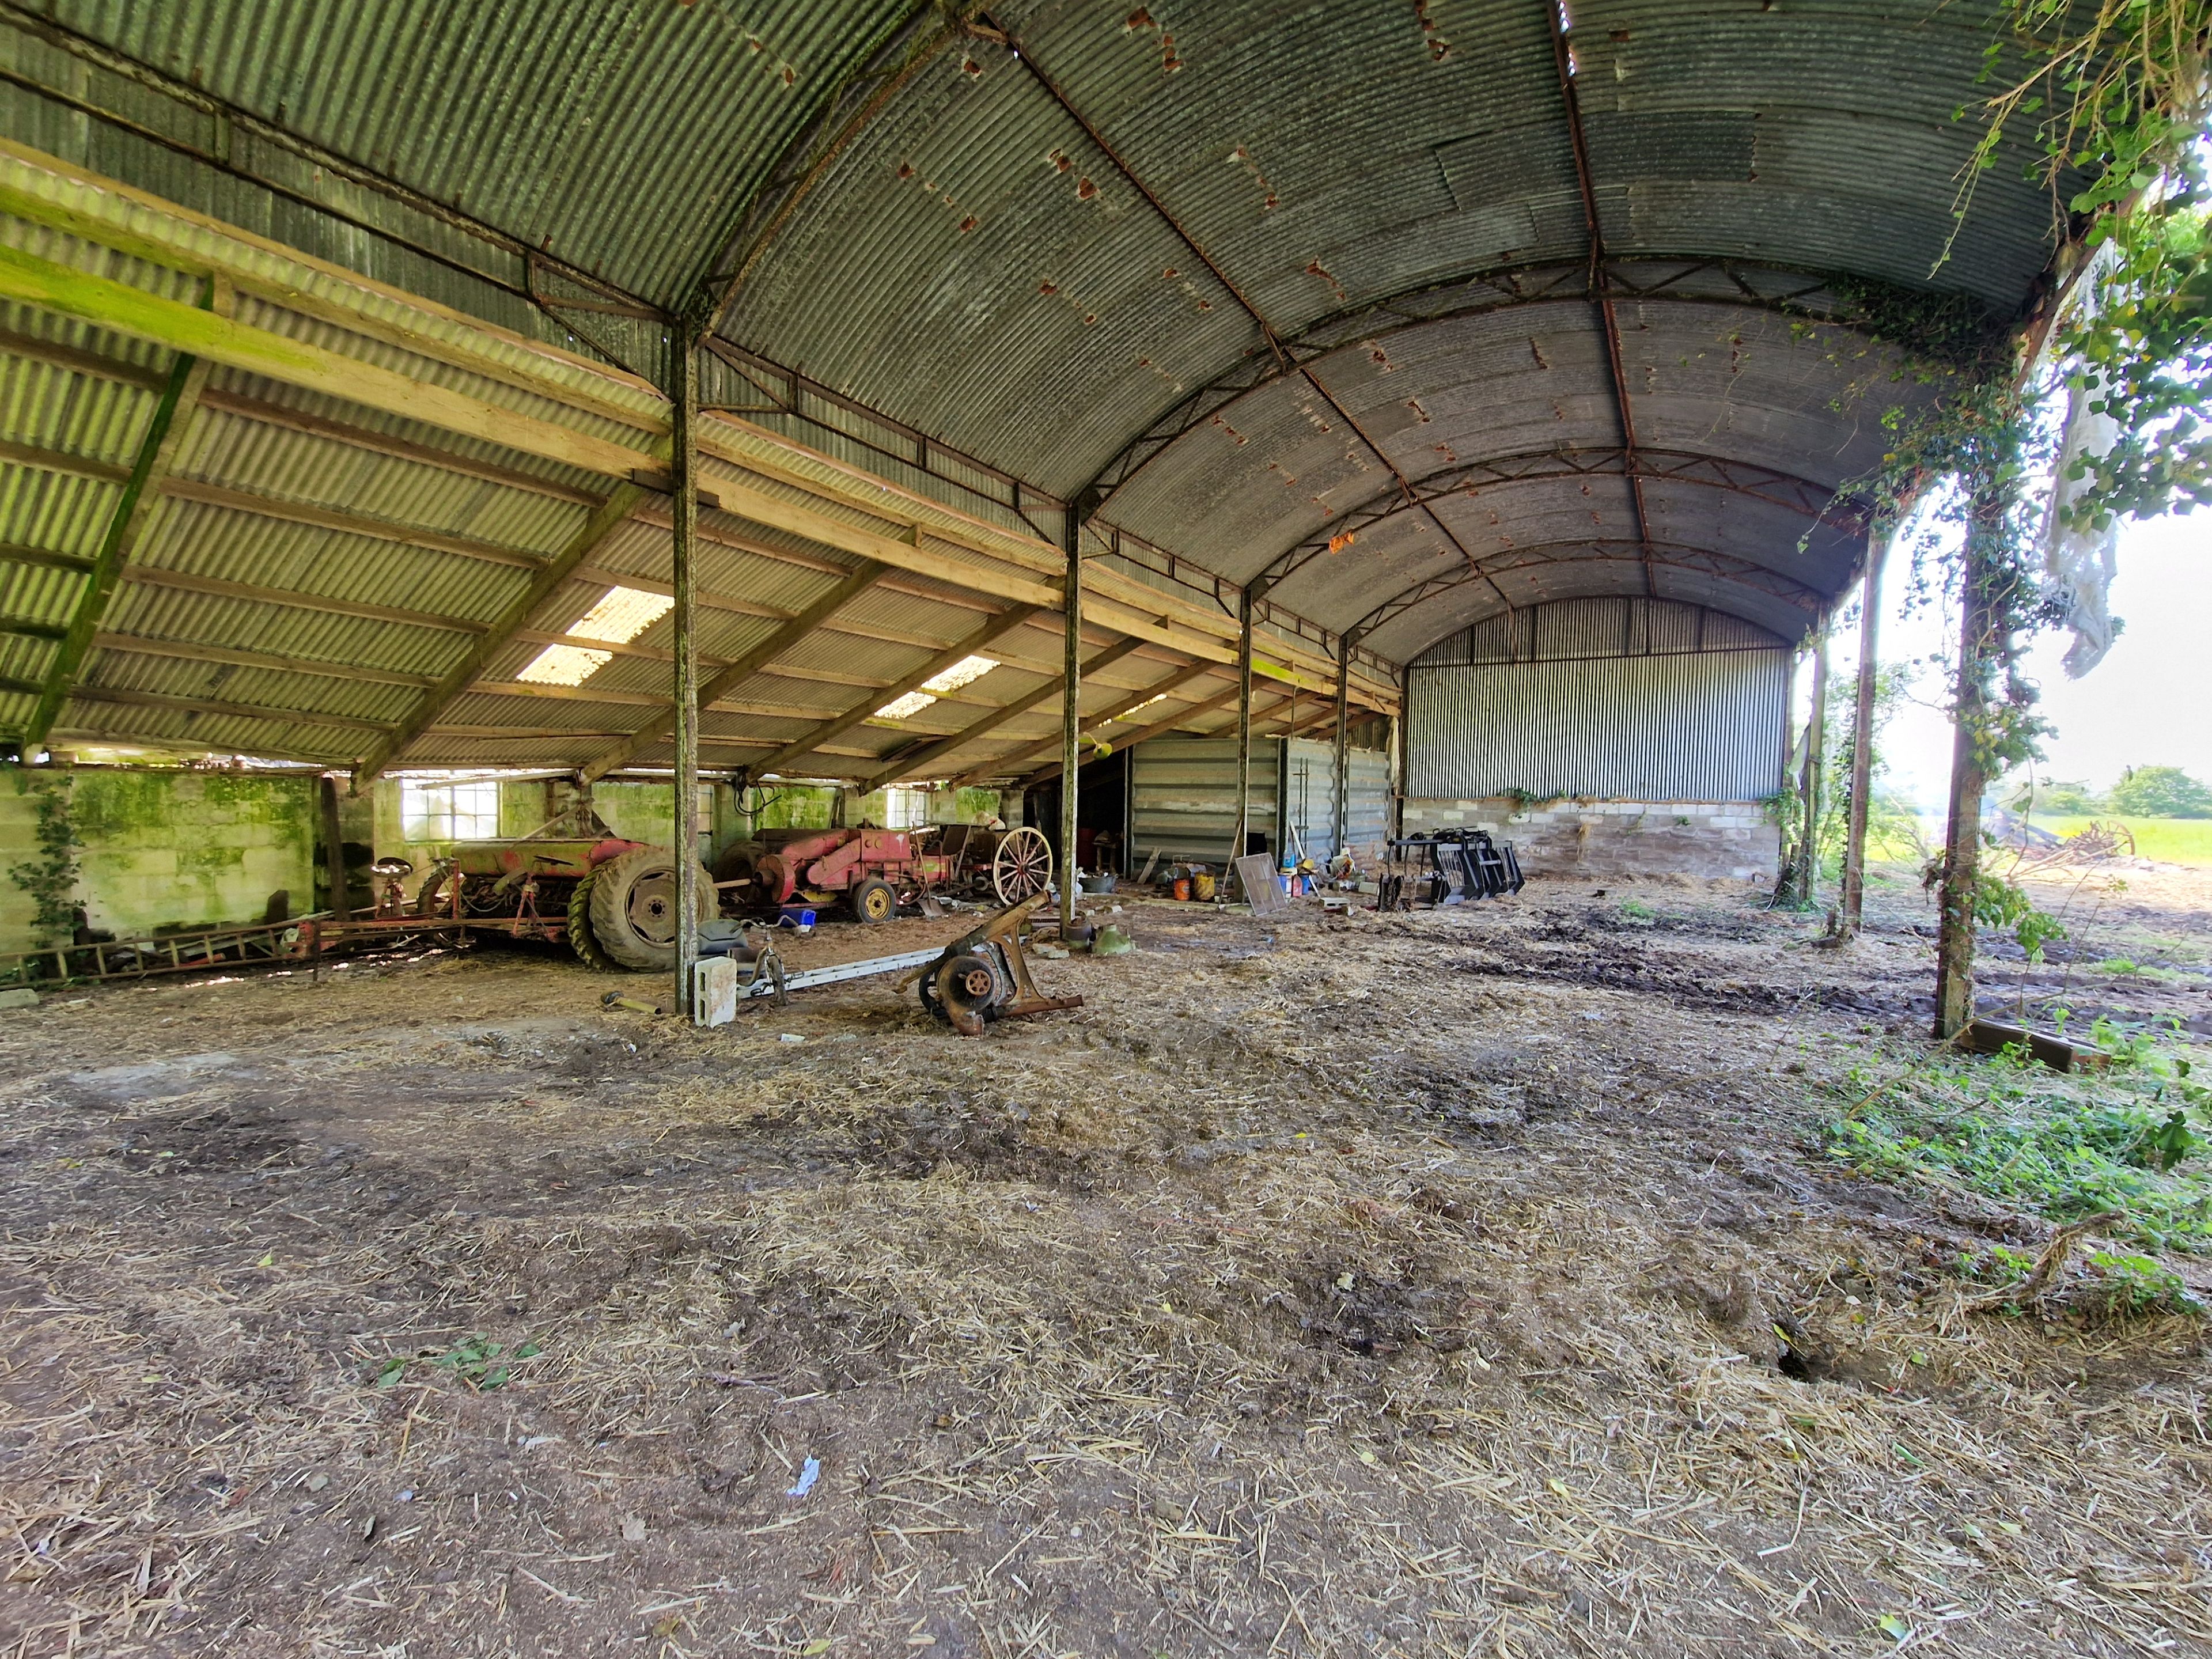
(877, 869)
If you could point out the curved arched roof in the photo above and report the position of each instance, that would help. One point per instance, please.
(1405, 313)
(1036, 248)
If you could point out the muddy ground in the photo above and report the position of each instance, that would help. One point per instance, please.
(1470, 1282)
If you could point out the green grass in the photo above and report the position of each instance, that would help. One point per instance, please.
(2170, 840)
(2131, 1137)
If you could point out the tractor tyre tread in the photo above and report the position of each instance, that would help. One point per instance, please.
(581, 940)
(610, 909)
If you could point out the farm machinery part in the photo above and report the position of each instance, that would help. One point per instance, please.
(982, 975)
(1453, 866)
(875, 870)
(613, 901)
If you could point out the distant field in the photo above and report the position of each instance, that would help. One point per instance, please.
(2171, 841)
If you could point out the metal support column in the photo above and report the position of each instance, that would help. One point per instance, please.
(683, 518)
(1854, 894)
(1815, 775)
(1071, 710)
(1237, 848)
(1343, 825)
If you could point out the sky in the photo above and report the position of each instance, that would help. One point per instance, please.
(2145, 705)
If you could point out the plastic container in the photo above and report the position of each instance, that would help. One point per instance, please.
(1181, 888)
(1202, 884)
(797, 916)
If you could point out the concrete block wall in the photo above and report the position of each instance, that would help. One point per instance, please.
(1618, 840)
(163, 849)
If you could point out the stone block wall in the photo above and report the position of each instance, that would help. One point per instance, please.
(163, 848)
(1620, 840)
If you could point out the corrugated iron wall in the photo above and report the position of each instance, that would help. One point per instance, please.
(1182, 797)
(1620, 699)
(1309, 795)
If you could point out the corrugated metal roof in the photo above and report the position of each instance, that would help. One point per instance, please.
(977, 267)
(562, 125)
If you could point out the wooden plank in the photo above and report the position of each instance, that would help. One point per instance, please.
(13, 553)
(855, 583)
(64, 289)
(33, 630)
(216, 587)
(69, 466)
(584, 693)
(263, 413)
(837, 725)
(777, 514)
(164, 233)
(1157, 728)
(548, 576)
(917, 761)
(158, 449)
(209, 705)
(1006, 763)
(92, 364)
(138, 645)
(347, 524)
(122, 733)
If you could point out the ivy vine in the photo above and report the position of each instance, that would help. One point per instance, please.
(50, 877)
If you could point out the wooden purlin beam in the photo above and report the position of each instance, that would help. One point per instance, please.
(593, 392)
(43, 558)
(1129, 739)
(216, 587)
(29, 280)
(236, 710)
(1007, 764)
(921, 760)
(138, 646)
(255, 504)
(548, 577)
(263, 413)
(745, 667)
(837, 725)
(158, 451)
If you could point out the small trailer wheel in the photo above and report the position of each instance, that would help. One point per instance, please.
(873, 899)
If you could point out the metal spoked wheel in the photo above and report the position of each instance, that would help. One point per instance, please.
(1021, 867)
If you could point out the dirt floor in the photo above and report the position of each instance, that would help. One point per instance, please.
(1467, 1282)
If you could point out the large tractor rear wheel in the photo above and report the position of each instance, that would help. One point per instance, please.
(581, 939)
(633, 907)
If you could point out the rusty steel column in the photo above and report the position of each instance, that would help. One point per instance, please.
(1071, 709)
(1815, 775)
(683, 518)
(1343, 825)
(1244, 725)
(1854, 893)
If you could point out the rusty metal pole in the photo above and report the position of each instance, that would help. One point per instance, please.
(1854, 894)
(683, 517)
(1237, 848)
(1071, 710)
(1816, 741)
(1979, 647)
(1343, 825)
